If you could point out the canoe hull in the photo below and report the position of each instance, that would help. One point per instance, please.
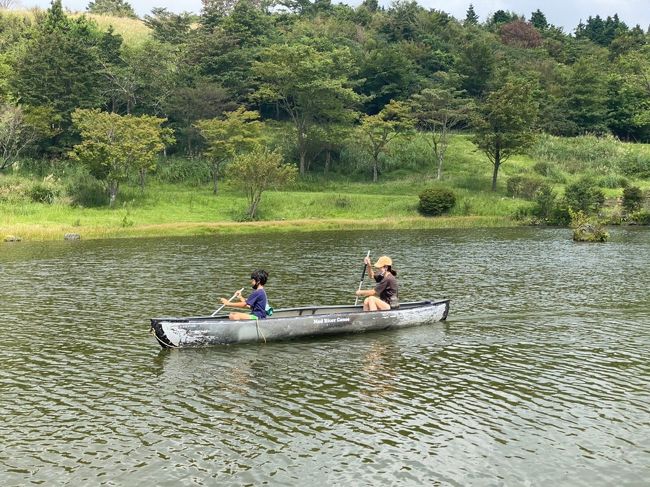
(292, 323)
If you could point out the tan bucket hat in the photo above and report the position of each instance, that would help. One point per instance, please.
(383, 261)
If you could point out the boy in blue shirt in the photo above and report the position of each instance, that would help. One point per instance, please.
(256, 302)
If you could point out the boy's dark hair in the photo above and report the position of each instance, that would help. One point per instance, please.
(390, 269)
(260, 276)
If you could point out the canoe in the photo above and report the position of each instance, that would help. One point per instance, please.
(291, 323)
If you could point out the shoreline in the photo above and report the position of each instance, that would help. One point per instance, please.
(53, 232)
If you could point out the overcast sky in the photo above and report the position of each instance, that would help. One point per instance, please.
(563, 13)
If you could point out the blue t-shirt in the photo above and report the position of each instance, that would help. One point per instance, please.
(257, 302)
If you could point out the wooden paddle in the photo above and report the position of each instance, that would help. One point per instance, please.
(231, 298)
(363, 273)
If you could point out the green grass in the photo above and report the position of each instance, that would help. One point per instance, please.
(133, 31)
(313, 202)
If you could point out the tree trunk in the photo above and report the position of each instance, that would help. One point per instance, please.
(303, 157)
(142, 178)
(328, 159)
(112, 193)
(215, 175)
(497, 163)
(253, 208)
(439, 177)
(375, 171)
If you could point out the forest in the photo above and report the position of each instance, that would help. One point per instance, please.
(103, 99)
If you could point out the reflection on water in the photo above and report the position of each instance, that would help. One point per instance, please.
(539, 376)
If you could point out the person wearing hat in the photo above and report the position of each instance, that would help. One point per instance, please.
(385, 295)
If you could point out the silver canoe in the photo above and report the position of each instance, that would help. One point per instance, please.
(290, 323)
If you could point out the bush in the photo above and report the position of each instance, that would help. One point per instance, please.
(584, 196)
(436, 201)
(586, 229)
(44, 192)
(183, 170)
(641, 218)
(636, 165)
(545, 200)
(549, 170)
(85, 190)
(613, 182)
(12, 189)
(632, 198)
(524, 186)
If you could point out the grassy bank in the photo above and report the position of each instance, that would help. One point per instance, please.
(344, 199)
(165, 209)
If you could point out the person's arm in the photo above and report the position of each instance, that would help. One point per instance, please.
(236, 304)
(371, 272)
(365, 292)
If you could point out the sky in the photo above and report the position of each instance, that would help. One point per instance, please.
(562, 13)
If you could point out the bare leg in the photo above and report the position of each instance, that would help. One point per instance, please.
(374, 304)
(239, 316)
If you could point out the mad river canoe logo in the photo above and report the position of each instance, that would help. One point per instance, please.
(331, 321)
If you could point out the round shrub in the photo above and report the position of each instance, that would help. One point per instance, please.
(545, 203)
(524, 186)
(435, 201)
(87, 191)
(43, 192)
(636, 165)
(632, 198)
(584, 196)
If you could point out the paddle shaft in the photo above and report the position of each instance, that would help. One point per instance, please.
(231, 298)
(363, 274)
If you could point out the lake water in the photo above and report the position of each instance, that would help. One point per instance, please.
(540, 375)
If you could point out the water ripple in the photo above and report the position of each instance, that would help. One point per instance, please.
(540, 375)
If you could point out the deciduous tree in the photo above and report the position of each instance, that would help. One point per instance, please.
(308, 84)
(19, 130)
(225, 138)
(257, 171)
(114, 145)
(436, 112)
(504, 123)
(377, 131)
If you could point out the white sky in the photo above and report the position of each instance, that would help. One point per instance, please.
(567, 13)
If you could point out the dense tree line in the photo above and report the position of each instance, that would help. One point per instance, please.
(329, 71)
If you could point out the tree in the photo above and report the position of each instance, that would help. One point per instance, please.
(437, 111)
(239, 130)
(476, 64)
(17, 132)
(634, 83)
(377, 131)
(114, 145)
(257, 171)
(520, 34)
(501, 17)
(117, 8)
(308, 84)
(168, 26)
(187, 104)
(504, 123)
(387, 73)
(586, 94)
(60, 67)
(471, 18)
(538, 20)
(144, 79)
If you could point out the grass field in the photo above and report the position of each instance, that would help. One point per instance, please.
(318, 202)
(133, 31)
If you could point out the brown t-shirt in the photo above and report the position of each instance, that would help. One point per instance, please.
(386, 289)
